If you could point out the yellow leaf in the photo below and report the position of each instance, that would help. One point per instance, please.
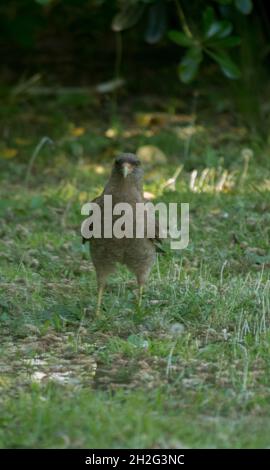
(22, 142)
(77, 131)
(215, 211)
(99, 169)
(9, 153)
(83, 196)
(111, 133)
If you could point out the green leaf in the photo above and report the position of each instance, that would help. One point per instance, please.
(189, 65)
(213, 27)
(208, 18)
(157, 22)
(180, 38)
(219, 29)
(228, 67)
(231, 41)
(245, 6)
(127, 17)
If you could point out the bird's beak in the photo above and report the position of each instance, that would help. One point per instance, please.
(126, 169)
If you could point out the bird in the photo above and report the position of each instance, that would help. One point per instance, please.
(125, 185)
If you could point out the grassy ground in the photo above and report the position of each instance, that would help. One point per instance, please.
(188, 369)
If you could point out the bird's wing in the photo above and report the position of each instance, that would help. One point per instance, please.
(157, 240)
(98, 200)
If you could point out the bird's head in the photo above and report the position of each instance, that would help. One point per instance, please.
(128, 166)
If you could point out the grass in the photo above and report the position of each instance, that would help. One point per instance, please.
(188, 369)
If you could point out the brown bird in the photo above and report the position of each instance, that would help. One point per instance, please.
(125, 185)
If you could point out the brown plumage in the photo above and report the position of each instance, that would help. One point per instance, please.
(138, 254)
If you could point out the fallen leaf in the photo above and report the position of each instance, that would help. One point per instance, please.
(77, 131)
(8, 153)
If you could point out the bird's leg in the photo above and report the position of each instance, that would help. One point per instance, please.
(99, 299)
(140, 293)
(142, 277)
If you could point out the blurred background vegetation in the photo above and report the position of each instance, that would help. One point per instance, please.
(219, 48)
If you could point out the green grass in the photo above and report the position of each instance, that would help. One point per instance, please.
(188, 369)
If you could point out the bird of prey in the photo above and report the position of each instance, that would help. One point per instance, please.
(125, 185)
